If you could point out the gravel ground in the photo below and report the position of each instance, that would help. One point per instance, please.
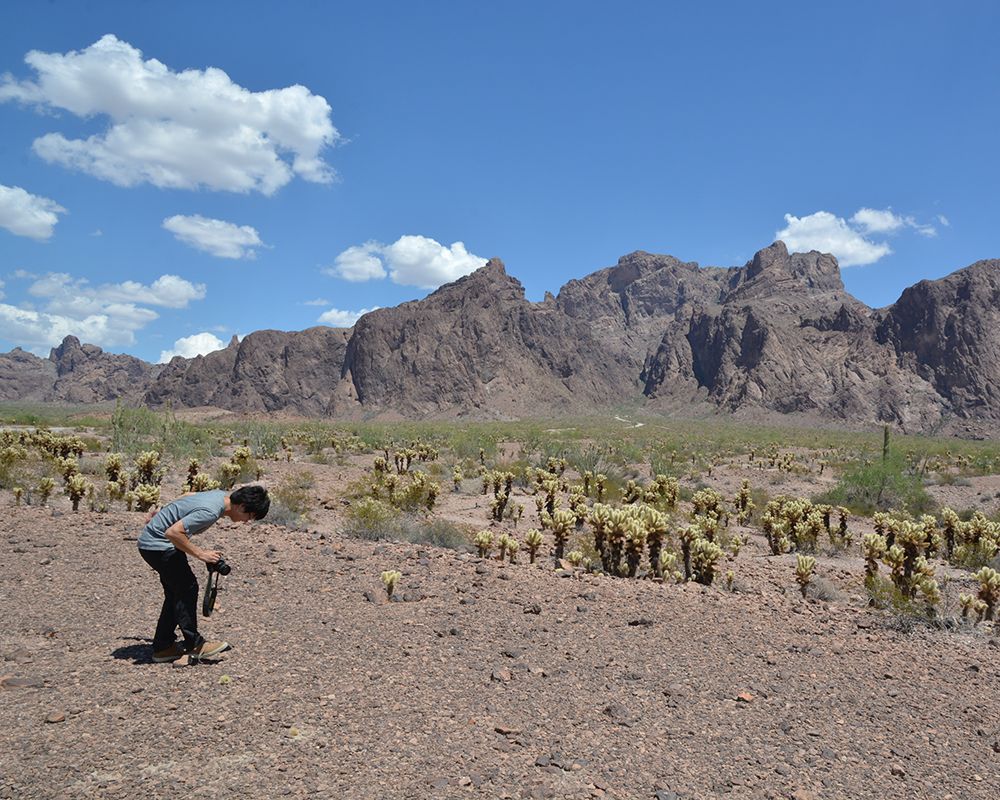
(486, 681)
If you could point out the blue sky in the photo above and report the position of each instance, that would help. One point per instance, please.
(170, 182)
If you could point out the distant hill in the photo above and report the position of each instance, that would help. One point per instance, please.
(779, 335)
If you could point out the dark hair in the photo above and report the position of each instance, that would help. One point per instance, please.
(253, 499)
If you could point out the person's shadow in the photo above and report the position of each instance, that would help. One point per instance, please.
(136, 653)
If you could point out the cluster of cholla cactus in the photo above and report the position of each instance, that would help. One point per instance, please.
(484, 543)
(533, 541)
(797, 524)
(904, 546)
(508, 546)
(409, 491)
(984, 603)
(502, 484)
(972, 542)
(45, 488)
(47, 443)
(662, 491)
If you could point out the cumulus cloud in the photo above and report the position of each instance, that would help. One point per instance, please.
(828, 233)
(181, 130)
(343, 319)
(362, 262)
(190, 346)
(409, 261)
(26, 214)
(214, 236)
(872, 220)
(105, 315)
(850, 240)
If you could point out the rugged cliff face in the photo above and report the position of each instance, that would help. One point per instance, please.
(778, 335)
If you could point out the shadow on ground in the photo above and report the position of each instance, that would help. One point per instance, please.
(140, 653)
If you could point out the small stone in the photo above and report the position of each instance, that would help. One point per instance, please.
(56, 716)
(641, 622)
(744, 697)
(542, 761)
(22, 683)
(898, 771)
(534, 608)
(501, 675)
(464, 780)
(663, 794)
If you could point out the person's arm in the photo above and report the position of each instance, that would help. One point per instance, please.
(178, 537)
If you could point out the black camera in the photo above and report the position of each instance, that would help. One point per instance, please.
(221, 567)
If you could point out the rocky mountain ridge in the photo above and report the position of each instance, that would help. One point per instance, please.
(778, 335)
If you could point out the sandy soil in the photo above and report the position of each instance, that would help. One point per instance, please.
(484, 681)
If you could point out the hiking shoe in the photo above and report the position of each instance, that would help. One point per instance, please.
(171, 653)
(206, 650)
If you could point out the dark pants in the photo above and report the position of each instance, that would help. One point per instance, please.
(180, 598)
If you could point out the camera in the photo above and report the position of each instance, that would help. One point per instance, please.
(221, 567)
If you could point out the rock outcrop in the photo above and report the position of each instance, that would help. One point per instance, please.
(778, 335)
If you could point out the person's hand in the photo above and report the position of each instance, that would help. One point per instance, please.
(210, 556)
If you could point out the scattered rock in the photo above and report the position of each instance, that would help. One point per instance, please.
(502, 675)
(22, 683)
(56, 716)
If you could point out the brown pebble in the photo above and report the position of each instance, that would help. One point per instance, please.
(56, 716)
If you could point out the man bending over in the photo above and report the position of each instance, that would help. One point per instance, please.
(165, 546)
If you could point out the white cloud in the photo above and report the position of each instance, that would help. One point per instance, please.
(26, 214)
(97, 232)
(944, 220)
(359, 263)
(106, 315)
(181, 130)
(343, 319)
(409, 261)
(2, 284)
(319, 301)
(22, 274)
(828, 233)
(872, 220)
(214, 236)
(190, 346)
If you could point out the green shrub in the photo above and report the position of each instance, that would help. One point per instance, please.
(291, 500)
(879, 485)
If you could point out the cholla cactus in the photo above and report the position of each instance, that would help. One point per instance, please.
(635, 544)
(203, 483)
(389, 579)
(705, 556)
(970, 603)
(744, 503)
(600, 520)
(632, 492)
(147, 467)
(989, 590)
(432, 490)
(512, 547)
(563, 522)
(707, 501)
(656, 528)
(533, 540)
(45, 488)
(484, 543)
(502, 543)
(873, 547)
(666, 489)
(588, 478)
(129, 500)
(146, 496)
(193, 468)
(667, 566)
(575, 558)
(76, 489)
(18, 494)
(229, 471)
(456, 478)
(68, 467)
(804, 566)
(113, 467)
(600, 484)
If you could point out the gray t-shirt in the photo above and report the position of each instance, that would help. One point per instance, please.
(197, 512)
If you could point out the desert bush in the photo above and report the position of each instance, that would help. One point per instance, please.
(879, 485)
(291, 500)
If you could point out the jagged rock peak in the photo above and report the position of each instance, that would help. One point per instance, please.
(70, 354)
(772, 266)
